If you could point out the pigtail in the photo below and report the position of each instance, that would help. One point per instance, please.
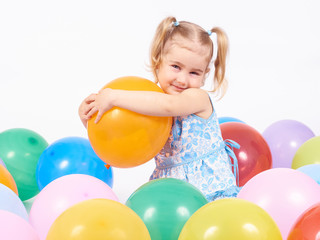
(163, 31)
(220, 61)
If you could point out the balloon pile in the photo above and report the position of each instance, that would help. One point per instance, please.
(70, 182)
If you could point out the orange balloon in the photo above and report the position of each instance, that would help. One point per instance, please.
(123, 138)
(7, 179)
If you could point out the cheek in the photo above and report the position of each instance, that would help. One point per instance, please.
(160, 74)
(162, 85)
(165, 76)
(197, 83)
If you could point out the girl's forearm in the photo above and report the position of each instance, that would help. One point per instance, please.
(160, 104)
(143, 102)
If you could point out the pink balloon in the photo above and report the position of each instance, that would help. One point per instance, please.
(63, 193)
(284, 193)
(14, 227)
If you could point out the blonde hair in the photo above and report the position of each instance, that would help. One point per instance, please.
(169, 28)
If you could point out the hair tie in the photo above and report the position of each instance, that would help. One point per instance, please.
(176, 23)
(209, 32)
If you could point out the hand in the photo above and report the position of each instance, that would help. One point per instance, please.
(85, 107)
(101, 103)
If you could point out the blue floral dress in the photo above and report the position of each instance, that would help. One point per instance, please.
(196, 153)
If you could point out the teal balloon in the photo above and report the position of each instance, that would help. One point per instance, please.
(165, 205)
(20, 150)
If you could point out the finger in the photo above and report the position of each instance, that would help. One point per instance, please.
(104, 90)
(98, 117)
(92, 104)
(84, 109)
(88, 108)
(91, 98)
(91, 112)
(101, 90)
(85, 123)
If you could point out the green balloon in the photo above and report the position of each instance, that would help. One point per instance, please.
(20, 150)
(165, 205)
(307, 153)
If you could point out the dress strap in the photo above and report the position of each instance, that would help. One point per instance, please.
(230, 144)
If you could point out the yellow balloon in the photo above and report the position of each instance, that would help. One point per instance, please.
(123, 138)
(98, 219)
(307, 153)
(231, 218)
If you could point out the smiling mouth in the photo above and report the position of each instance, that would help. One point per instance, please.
(178, 88)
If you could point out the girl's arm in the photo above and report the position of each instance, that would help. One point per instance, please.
(151, 103)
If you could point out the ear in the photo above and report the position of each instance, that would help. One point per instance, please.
(207, 73)
(205, 76)
(156, 76)
(203, 80)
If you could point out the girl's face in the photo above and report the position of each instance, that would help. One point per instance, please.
(184, 66)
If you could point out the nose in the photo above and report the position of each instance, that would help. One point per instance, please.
(182, 80)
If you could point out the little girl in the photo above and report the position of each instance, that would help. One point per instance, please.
(181, 53)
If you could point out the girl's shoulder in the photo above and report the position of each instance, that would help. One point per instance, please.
(205, 98)
(196, 92)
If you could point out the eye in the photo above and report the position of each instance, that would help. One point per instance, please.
(194, 73)
(175, 66)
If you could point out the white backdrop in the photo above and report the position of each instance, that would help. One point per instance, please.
(55, 53)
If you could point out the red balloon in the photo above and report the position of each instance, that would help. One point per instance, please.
(307, 225)
(254, 155)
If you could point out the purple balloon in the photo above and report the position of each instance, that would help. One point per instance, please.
(284, 138)
(2, 163)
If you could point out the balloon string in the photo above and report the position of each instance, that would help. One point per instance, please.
(230, 144)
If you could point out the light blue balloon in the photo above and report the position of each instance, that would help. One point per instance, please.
(229, 119)
(71, 155)
(9, 201)
(312, 170)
